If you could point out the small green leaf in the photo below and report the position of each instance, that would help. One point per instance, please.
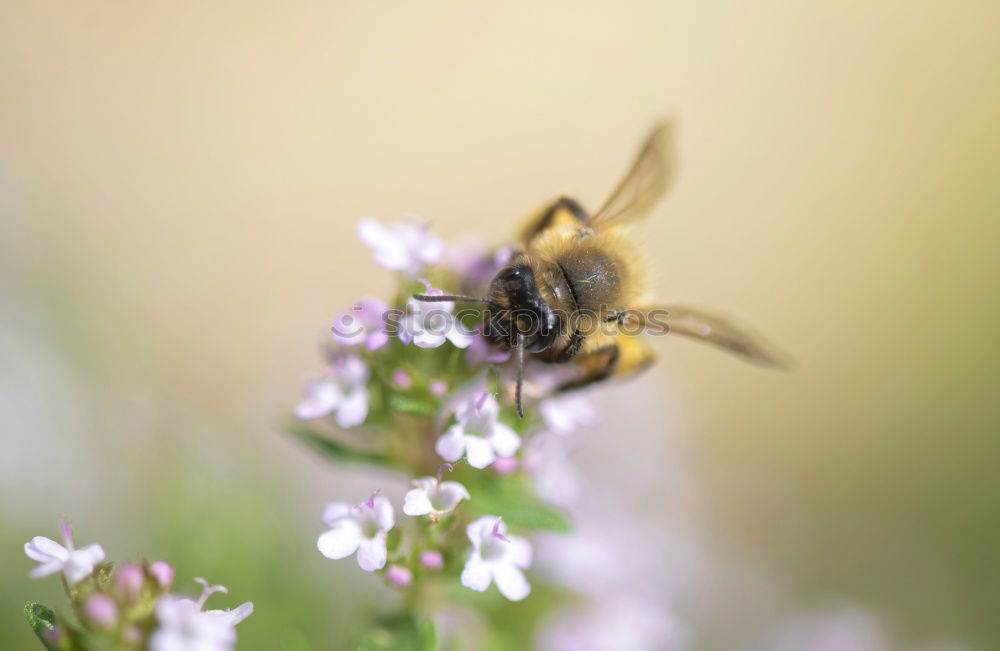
(519, 508)
(411, 405)
(42, 621)
(337, 449)
(427, 637)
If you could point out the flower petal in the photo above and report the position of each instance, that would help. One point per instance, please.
(417, 502)
(354, 409)
(479, 452)
(451, 444)
(511, 581)
(44, 549)
(520, 552)
(372, 553)
(385, 517)
(476, 574)
(336, 511)
(340, 541)
(322, 397)
(45, 569)
(504, 440)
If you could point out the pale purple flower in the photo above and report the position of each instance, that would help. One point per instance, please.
(340, 392)
(399, 575)
(184, 626)
(428, 325)
(438, 388)
(563, 413)
(431, 496)
(478, 434)
(101, 610)
(75, 564)
(360, 528)
(431, 559)
(362, 324)
(404, 246)
(495, 557)
(504, 465)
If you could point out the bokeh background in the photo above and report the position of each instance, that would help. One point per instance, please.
(179, 184)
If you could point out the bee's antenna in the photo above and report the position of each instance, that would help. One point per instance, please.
(520, 375)
(447, 298)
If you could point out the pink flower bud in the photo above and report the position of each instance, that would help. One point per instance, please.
(438, 387)
(431, 559)
(129, 580)
(401, 380)
(398, 575)
(101, 610)
(163, 573)
(504, 465)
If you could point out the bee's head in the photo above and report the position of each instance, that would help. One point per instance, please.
(516, 308)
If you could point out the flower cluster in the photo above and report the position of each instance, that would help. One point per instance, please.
(413, 386)
(125, 607)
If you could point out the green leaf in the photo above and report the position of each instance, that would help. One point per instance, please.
(337, 449)
(410, 405)
(42, 621)
(519, 508)
(427, 637)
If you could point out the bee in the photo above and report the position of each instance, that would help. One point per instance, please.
(575, 291)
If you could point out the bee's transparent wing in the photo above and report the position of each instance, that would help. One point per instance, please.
(646, 181)
(708, 327)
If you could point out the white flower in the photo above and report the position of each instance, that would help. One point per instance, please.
(341, 390)
(428, 324)
(75, 564)
(478, 434)
(405, 246)
(432, 496)
(363, 323)
(183, 626)
(496, 558)
(564, 413)
(358, 528)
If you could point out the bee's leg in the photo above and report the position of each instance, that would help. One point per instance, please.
(563, 207)
(598, 364)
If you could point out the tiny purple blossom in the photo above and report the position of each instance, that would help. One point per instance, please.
(478, 434)
(429, 325)
(438, 388)
(340, 392)
(401, 379)
(362, 324)
(431, 559)
(129, 579)
(405, 246)
(75, 564)
(496, 558)
(101, 610)
(163, 573)
(399, 575)
(358, 528)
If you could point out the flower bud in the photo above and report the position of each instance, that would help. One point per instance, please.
(401, 380)
(129, 580)
(100, 609)
(163, 573)
(438, 387)
(398, 575)
(431, 559)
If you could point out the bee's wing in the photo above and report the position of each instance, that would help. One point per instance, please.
(645, 182)
(711, 328)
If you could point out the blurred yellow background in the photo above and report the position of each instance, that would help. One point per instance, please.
(179, 184)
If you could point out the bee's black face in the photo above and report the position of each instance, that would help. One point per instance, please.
(519, 308)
